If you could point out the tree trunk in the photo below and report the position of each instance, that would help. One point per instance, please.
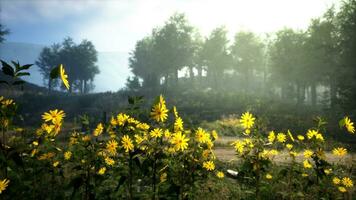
(191, 73)
(313, 94)
(176, 75)
(81, 86)
(333, 92)
(85, 87)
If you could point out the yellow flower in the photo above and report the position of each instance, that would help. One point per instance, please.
(349, 125)
(342, 189)
(347, 182)
(308, 153)
(63, 76)
(167, 134)
(99, 129)
(327, 171)
(156, 133)
(8, 102)
(239, 146)
(272, 152)
(178, 124)
(305, 175)
(179, 141)
(86, 138)
(220, 174)
(102, 170)
(300, 137)
(67, 155)
(209, 165)
(35, 143)
(214, 134)
(247, 120)
(109, 161)
(319, 136)
(269, 176)
(138, 139)
(289, 146)
(113, 121)
(159, 111)
(206, 153)
(111, 147)
(311, 134)
(271, 136)
(46, 156)
(56, 163)
(163, 177)
(202, 136)
(3, 185)
(293, 153)
(121, 119)
(336, 181)
(127, 143)
(143, 126)
(281, 137)
(339, 151)
(307, 164)
(55, 116)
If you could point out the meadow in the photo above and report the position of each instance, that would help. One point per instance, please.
(160, 158)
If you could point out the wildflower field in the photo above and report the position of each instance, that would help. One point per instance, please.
(153, 156)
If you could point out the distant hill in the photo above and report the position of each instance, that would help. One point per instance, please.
(113, 66)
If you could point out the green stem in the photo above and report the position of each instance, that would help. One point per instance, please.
(130, 177)
(154, 179)
(258, 180)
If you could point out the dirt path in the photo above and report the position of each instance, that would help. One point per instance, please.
(225, 152)
(228, 154)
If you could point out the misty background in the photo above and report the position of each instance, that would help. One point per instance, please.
(115, 26)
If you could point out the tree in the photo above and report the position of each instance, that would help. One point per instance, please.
(346, 19)
(288, 64)
(3, 31)
(79, 61)
(173, 46)
(247, 55)
(214, 55)
(143, 63)
(49, 59)
(162, 54)
(323, 55)
(86, 69)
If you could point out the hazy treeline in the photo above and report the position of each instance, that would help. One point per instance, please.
(310, 66)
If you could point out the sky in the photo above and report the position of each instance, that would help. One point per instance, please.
(116, 25)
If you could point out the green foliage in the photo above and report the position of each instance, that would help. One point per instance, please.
(15, 72)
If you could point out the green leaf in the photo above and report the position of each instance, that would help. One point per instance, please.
(25, 67)
(55, 73)
(16, 64)
(342, 123)
(22, 74)
(7, 69)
